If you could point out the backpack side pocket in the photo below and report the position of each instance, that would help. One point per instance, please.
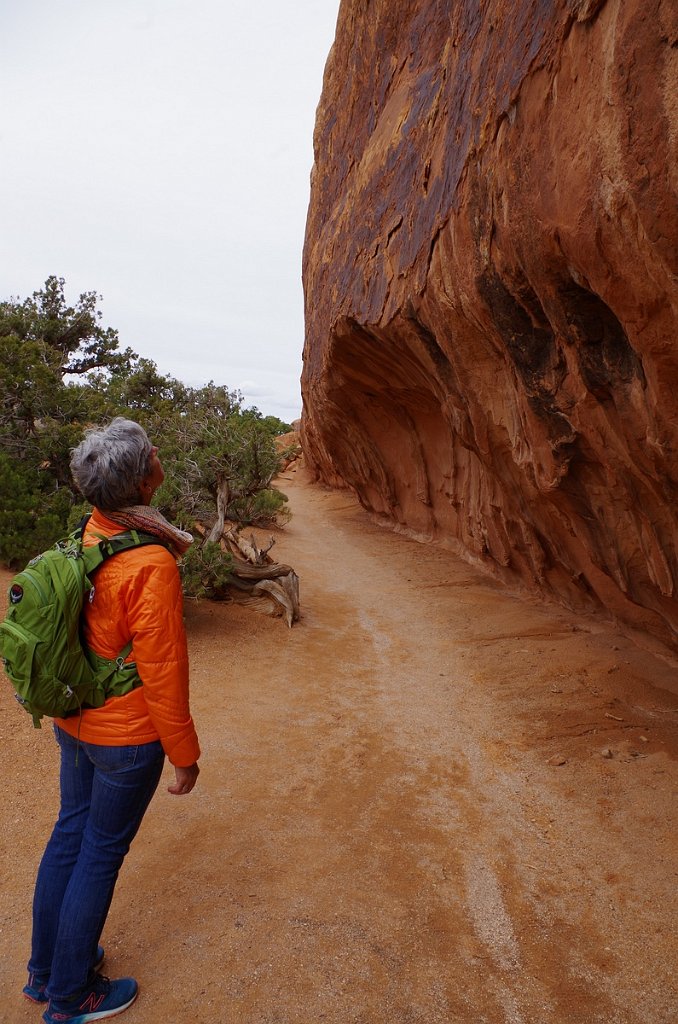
(17, 647)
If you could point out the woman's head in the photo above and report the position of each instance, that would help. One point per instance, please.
(116, 466)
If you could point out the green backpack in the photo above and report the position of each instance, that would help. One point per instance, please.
(40, 637)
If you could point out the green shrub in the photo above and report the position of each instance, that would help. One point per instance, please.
(265, 508)
(205, 571)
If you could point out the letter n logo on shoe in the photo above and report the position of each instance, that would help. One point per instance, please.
(93, 1002)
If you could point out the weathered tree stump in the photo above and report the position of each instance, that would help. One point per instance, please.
(256, 579)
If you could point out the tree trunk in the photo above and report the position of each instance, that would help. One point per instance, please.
(223, 496)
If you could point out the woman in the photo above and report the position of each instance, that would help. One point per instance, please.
(112, 757)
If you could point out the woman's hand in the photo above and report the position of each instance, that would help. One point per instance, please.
(186, 780)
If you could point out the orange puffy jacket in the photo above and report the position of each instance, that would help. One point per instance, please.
(137, 596)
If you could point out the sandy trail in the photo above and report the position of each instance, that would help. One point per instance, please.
(379, 833)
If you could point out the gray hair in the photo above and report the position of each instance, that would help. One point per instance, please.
(109, 465)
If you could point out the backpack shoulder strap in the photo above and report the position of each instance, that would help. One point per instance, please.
(95, 554)
(129, 539)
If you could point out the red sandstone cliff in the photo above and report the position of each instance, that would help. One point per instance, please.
(490, 263)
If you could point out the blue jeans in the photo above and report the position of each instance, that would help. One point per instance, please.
(104, 795)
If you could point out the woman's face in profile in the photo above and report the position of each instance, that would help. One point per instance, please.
(156, 473)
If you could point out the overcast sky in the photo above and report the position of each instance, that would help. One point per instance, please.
(158, 152)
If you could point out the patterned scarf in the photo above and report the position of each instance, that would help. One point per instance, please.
(151, 520)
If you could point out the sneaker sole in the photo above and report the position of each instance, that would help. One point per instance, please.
(84, 1018)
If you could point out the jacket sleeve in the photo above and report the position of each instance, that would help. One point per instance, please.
(156, 625)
